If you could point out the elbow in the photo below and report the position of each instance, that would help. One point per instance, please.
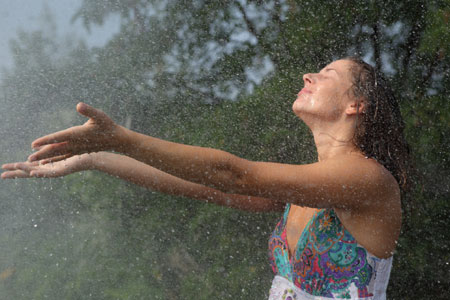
(235, 176)
(231, 182)
(245, 182)
(240, 183)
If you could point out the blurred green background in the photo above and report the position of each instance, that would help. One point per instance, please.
(218, 74)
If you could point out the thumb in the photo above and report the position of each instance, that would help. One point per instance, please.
(92, 113)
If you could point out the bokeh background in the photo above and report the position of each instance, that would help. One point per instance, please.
(218, 74)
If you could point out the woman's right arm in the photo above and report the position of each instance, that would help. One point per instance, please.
(139, 173)
(149, 177)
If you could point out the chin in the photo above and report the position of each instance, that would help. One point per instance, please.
(299, 113)
(299, 109)
(308, 117)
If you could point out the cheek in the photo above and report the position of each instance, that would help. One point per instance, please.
(312, 101)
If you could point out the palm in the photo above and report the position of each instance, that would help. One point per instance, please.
(43, 168)
(97, 134)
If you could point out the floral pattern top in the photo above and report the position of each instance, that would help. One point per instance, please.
(328, 262)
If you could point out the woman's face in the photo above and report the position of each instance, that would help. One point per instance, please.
(326, 94)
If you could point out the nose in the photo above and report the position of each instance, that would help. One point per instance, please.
(307, 78)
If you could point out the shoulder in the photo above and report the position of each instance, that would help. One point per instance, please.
(368, 182)
(346, 181)
(368, 170)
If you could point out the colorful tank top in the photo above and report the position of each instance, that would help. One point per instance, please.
(327, 263)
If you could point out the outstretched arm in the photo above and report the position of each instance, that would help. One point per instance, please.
(206, 166)
(347, 181)
(139, 173)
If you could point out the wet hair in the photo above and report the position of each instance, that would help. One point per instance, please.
(379, 128)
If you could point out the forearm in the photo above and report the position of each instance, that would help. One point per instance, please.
(207, 166)
(149, 177)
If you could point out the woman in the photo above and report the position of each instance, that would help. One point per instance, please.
(342, 214)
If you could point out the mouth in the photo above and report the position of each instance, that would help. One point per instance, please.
(304, 91)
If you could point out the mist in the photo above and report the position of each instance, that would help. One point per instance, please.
(221, 75)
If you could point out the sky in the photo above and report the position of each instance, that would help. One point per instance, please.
(27, 15)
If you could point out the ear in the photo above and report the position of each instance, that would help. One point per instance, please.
(355, 107)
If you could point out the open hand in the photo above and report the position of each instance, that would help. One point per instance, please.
(46, 168)
(97, 134)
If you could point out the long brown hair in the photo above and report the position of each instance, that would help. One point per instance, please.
(379, 131)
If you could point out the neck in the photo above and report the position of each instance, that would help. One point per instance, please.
(334, 141)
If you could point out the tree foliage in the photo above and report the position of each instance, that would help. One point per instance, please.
(219, 74)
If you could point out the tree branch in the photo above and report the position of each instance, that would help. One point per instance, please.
(249, 24)
(259, 36)
(375, 37)
(414, 38)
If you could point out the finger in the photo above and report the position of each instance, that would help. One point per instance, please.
(15, 174)
(92, 113)
(25, 166)
(57, 137)
(54, 159)
(52, 150)
(18, 165)
(8, 166)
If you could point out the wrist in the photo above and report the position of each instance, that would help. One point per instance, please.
(88, 161)
(121, 140)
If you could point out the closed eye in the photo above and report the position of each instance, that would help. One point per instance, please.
(330, 69)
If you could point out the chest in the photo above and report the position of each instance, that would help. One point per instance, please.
(297, 220)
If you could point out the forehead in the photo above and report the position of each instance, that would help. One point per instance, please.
(342, 67)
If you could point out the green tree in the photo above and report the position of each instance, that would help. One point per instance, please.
(221, 74)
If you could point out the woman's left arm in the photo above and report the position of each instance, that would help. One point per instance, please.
(346, 181)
